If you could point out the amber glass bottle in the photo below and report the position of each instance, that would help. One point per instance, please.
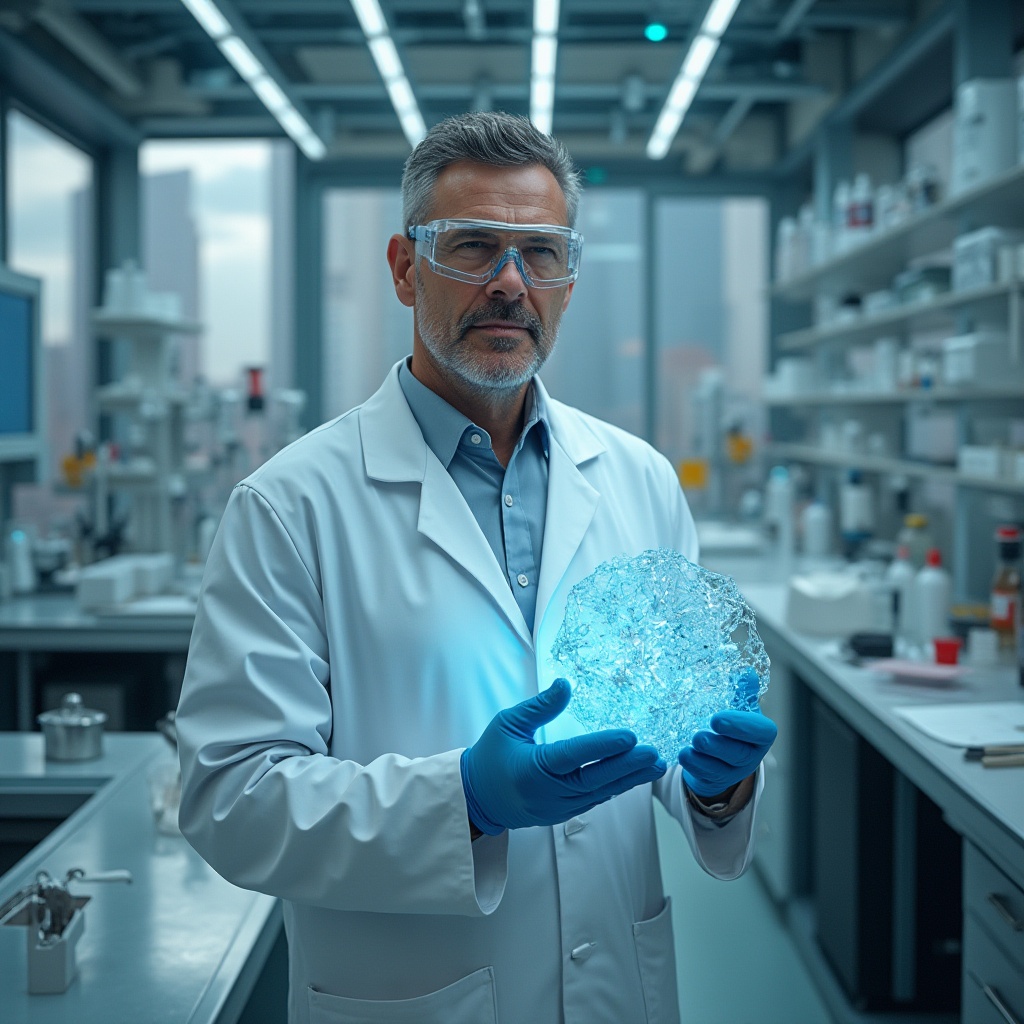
(1005, 611)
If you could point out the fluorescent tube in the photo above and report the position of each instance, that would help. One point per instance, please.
(385, 56)
(698, 59)
(241, 58)
(720, 13)
(545, 17)
(208, 15)
(371, 18)
(271, 94)
(545, 50)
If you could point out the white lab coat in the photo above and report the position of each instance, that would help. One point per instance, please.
(354, 634)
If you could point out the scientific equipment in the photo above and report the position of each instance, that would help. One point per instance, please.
(18, 555)
(657, 645)
(72, 732)
(980, 359)
(816, 529)
(830, 604)
(984, 131)
(976, 256)
(899, 577)
(1006, 587)
(54, 918)
(914, 536)
(856, 513)
(932, 592)
(778, 508)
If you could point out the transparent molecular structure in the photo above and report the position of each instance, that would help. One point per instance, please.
(658, 645)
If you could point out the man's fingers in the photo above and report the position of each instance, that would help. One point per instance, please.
(753, 727)
(529, 715)
(565, 756)
(611, 770)
(627, 782)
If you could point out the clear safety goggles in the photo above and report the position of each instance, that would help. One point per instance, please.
(474, 251)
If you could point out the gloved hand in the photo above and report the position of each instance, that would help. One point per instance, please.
(513, 782)
(733, 748)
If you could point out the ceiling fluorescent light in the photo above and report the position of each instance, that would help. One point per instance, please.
(208, 15)
(545, 17)
(542, 102)
(371, 17)
(681, 95)
(545, 55)
(720, 13)
(385, 56)
(271, 94)
(241, 58)
(413, 126)
(698, 59)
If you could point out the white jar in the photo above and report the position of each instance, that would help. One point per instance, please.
(816, 527)
(900, 578)
(932, 594)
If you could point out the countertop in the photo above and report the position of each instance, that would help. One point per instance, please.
(179, 944)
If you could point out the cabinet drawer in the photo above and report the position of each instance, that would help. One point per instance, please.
(995, 901)
(987, 966)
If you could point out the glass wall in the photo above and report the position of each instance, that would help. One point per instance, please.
(711, 333)
(366, 329)
(209, 225)
(598, 364)
(50, 236)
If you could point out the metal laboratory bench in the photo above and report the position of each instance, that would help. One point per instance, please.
(179, 944)
(53, 624)
(983, 806)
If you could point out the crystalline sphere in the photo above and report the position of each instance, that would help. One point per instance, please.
(657, 644)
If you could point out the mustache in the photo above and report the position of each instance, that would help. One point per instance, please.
(513, 312)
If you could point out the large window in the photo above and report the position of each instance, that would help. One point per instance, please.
(366, 329)
(50, 211)
(209, 225)
(710, 331)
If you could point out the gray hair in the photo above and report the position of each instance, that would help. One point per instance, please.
(493, 137)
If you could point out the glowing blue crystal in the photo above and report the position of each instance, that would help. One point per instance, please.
(658, 644)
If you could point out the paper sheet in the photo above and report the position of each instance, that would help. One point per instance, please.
(968, 725)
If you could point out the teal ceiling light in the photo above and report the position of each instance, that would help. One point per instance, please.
(656, 32)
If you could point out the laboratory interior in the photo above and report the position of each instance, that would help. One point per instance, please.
(801, 281)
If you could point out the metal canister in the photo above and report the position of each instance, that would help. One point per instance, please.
(72, 732)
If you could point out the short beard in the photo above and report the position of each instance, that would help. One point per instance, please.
(444, 343)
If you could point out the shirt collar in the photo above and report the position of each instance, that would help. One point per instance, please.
(443, 426)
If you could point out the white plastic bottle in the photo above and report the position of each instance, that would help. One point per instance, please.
(899, 577)
(932, 594)
(778, 509)
(816, 526)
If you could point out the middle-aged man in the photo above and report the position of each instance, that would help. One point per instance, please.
(369, 726)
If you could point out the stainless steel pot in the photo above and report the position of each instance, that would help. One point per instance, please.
(72, 732)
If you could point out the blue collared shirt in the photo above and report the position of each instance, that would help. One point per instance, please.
(508, 502)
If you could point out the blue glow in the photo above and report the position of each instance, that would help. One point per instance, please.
(657, 644)
(656, 32)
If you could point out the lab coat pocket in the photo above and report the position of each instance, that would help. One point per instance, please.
(656, 955)
(469, 1000)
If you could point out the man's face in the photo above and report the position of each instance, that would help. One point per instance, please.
(495, 336)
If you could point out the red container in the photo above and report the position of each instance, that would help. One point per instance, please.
(947, 649)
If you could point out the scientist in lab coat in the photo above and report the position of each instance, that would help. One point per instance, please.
(369, 726)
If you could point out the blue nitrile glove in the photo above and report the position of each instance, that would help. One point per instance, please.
(733, 748)
(513, 782)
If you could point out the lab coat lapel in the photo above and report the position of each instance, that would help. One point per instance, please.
(394, 451)
(572, 501)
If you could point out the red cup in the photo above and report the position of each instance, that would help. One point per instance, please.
(947, 649)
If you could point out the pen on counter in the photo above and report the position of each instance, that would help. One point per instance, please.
(1010, 755)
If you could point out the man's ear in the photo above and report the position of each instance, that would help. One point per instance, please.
(568, 296)
(402, 260)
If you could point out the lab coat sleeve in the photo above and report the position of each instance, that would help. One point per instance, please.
(723, 850)
(263, 801)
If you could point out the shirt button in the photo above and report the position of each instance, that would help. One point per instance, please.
(522, 580)
(581, 953)
(574, 825)
(475, 438)
(508, 500)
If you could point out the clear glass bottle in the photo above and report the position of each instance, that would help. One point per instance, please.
(1004, 610)
(915, 538)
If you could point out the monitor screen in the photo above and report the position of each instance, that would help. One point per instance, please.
(22, 390)
(16, 358)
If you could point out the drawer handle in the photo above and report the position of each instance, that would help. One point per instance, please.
(993, 997)
(1004, 911)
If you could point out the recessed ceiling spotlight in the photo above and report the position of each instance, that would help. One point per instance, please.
(656, 32)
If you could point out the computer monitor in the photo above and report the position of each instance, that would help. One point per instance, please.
(22, 392)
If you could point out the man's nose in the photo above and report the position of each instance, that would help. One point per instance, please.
(508, 282)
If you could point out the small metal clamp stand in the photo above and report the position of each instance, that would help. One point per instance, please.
(55, 921)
